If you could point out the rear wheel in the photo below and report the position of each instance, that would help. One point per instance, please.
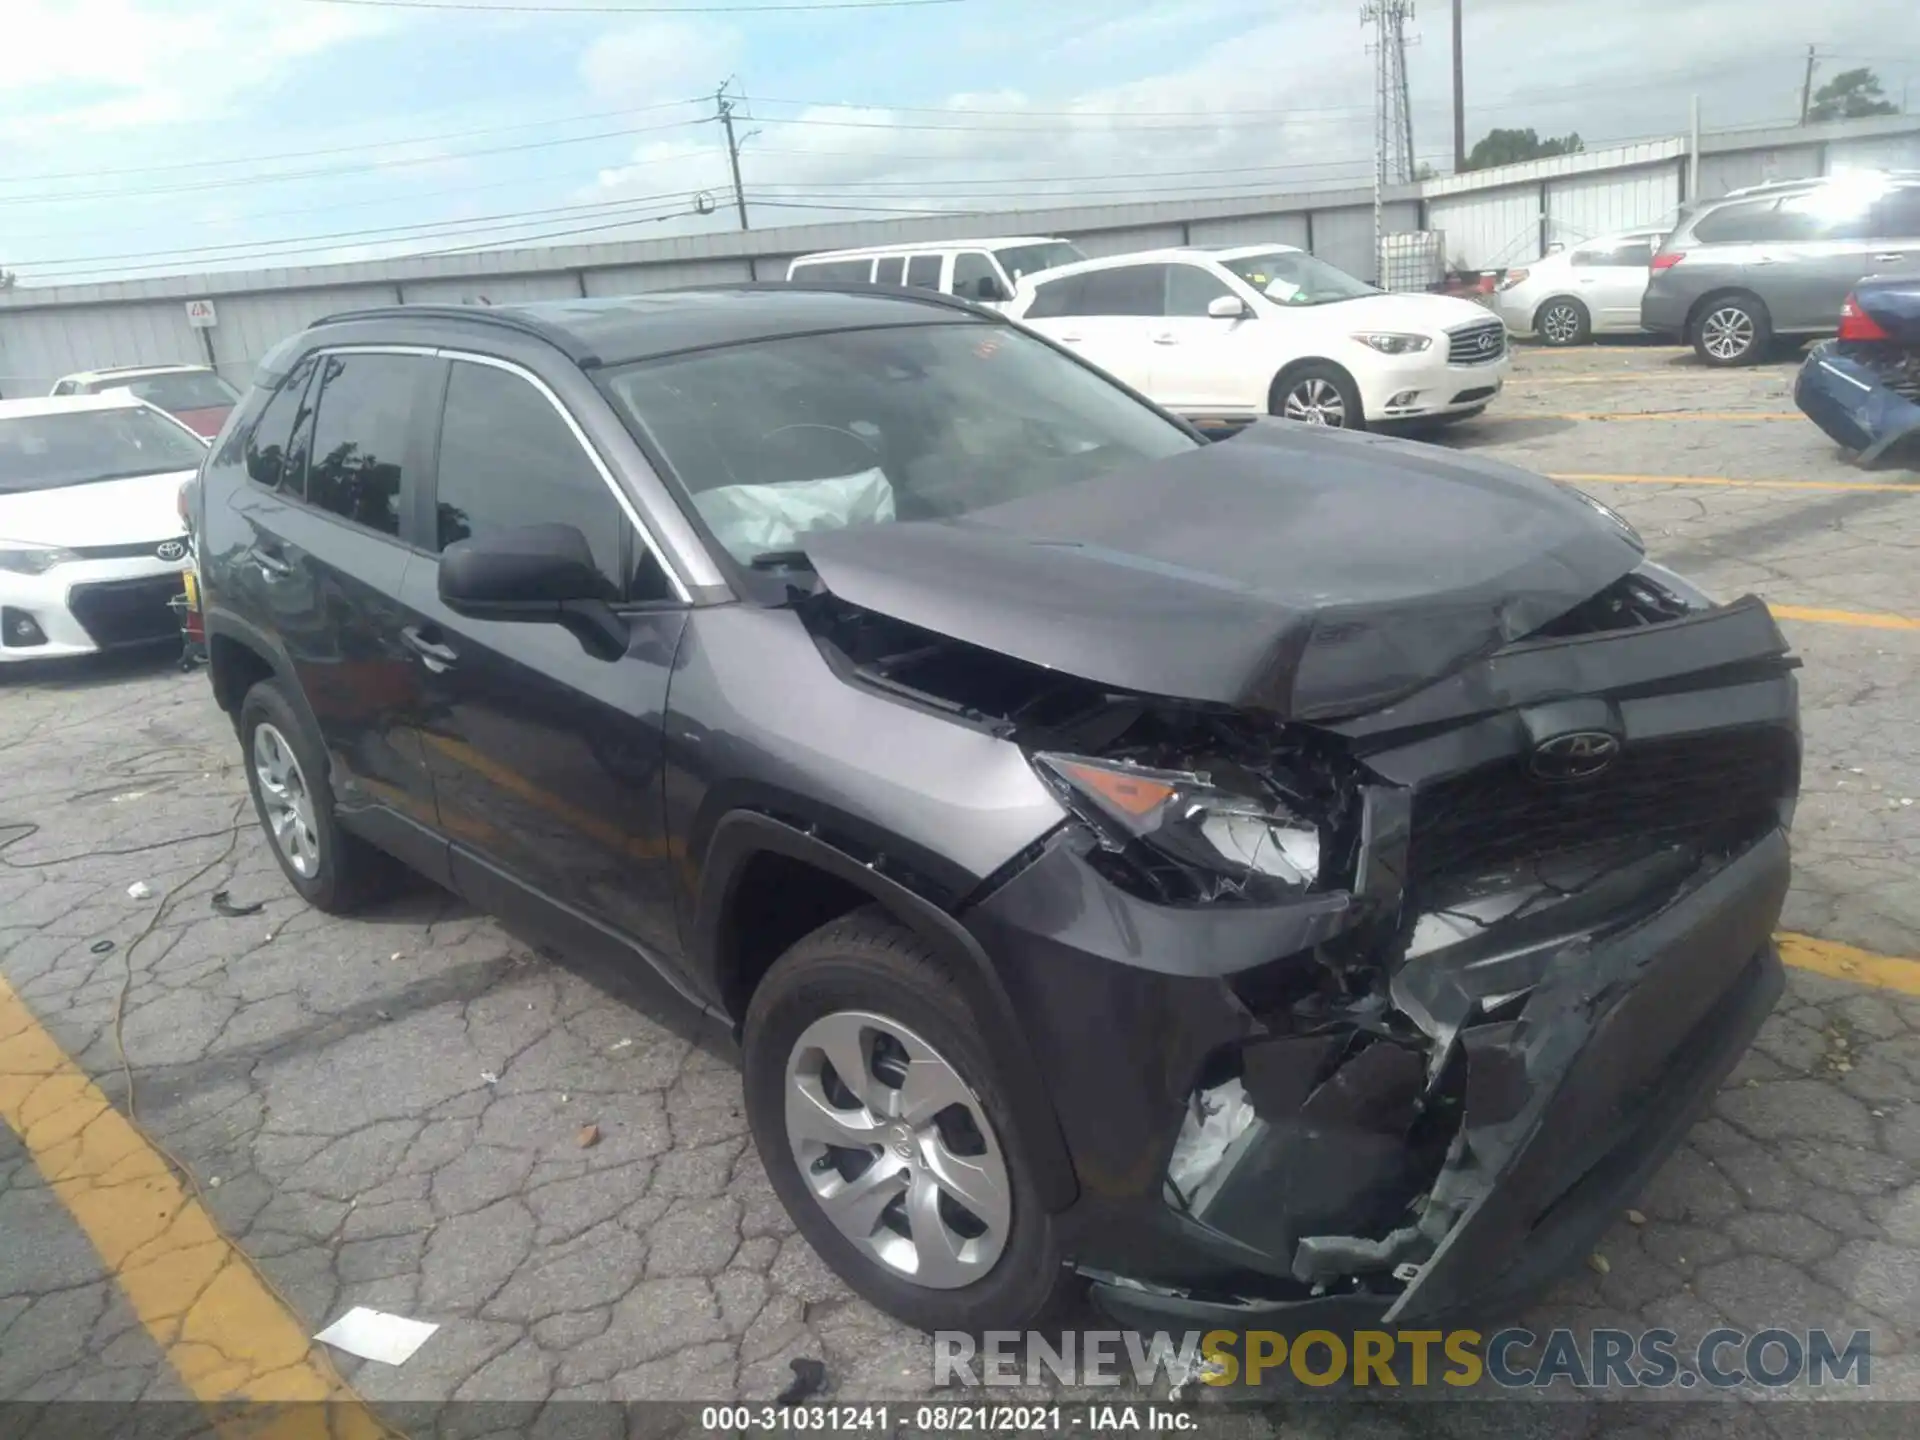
(885, 1131)
(1563, 322)
(1732, 330)
(1318, 393)
(287, 776)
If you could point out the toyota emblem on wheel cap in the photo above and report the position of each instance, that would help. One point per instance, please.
(1578, 756)
(171, 550)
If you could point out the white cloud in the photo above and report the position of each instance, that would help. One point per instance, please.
(658, 60)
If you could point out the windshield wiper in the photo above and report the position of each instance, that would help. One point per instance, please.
(780, 560)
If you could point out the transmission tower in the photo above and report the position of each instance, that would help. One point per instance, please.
(1392, 115)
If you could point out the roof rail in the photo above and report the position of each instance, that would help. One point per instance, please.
(939, 298)
(477, 314)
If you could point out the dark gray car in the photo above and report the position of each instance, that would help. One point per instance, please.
(1779, 260)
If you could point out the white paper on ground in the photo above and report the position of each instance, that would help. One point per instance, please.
(376, 1335)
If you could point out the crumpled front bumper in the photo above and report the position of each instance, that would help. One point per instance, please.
(1568, 1107)
(1847, 399)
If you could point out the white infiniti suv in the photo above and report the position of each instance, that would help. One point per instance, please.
(1222, 336)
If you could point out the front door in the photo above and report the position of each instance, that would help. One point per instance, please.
(545, 752)
(333, 464)
(1204, 366)
(1807, 279)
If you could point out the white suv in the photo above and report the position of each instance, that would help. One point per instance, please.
(1223, 336)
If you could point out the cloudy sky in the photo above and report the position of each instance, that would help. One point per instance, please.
(158, 136)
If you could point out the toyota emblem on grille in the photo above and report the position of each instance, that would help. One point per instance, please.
(171, 550)
(1578, 756)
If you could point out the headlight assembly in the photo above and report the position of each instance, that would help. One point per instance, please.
(23, 557)
(1392, 342)
(1185, 838)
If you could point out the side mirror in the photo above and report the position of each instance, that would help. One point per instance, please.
(991, 290)
(533, 573)
(1226, 307)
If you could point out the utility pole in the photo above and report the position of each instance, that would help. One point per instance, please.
(733, 151)
(1392, 116)
(1693, 150)
(1806, 88)
(1459, 96)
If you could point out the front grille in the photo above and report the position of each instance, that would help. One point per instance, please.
(127, 612)
(1477, 343)
(1699, 785)
(1478, 392)
(133, 550)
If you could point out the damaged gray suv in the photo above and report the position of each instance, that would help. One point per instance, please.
(1309, 877)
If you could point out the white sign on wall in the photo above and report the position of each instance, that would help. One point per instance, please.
(200, 314)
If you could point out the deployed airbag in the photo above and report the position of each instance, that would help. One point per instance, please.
(750, 519)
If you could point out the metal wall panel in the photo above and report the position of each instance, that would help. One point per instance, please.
(1097, 243)
(1731, 170)
(1879, 152)
(1489, 229)
(634, 279)
(1344, 237)
(497, 289)
(251, 325)
(1579, 208)
(37, 347)
(1277, 229)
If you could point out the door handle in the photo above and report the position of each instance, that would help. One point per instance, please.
(1895, 256)
(1069, 339)
(1166, 340)
(270, 565)
(436, 657)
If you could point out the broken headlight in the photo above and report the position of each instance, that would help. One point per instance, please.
(1609, 514)
(1187, 839)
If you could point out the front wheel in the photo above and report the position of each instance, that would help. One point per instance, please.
(1732, 331)
(1564, 322)
(1318, 394)
(885, 1131)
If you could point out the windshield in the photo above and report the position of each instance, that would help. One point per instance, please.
(773, 439)
(1018, 260)
(187, 390)
(1293, 277)
(50, 452)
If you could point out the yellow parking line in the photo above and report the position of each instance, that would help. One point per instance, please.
(1626, 377)
(1675, 415)
(1844, 962)
(1606, 479)
(218, 1323)
(1865, 620)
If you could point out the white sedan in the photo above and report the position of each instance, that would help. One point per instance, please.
(92, 545)
(1573, 295)
(1222, 336)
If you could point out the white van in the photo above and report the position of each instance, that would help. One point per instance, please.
(982, 270)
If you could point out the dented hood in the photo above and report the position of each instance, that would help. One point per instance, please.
(1310, 573)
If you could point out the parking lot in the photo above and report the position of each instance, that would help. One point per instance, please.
(414, 1111)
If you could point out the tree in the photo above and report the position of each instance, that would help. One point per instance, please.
(1510, 147)
(1850, 95)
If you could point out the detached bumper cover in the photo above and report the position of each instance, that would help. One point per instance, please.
(1849, 400)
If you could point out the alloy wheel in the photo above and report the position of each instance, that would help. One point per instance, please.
(1727, 333)
(897, 1149)
(288, 802)
(1317, 402)
(1561, 324)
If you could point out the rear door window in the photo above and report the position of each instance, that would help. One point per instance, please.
(924, 271)
(359, 464)
(508, 459)
(1056, 298)
(1897, 216)
(835, 272)
(1751, 220)
(1124, 290)
(890, 270)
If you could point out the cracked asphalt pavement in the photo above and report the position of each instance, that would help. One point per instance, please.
(416, 1112)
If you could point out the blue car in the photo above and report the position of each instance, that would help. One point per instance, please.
(1863, 386)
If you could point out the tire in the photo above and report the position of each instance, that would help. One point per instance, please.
(332, 870)
(1319, 387)
(841, 988)
(1562, 322)
(1732, 330)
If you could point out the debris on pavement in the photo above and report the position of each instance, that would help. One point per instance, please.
(588, 1137)
(223, 905)
(1635, 1217)
(376, 1335)
(140, 890)
(489, 1077)
(809, 1379)
(101, 947)
(1597, 1263)
(620, 1044)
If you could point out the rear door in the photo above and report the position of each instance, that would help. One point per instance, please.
(1610, 279)
(333, 464)
(923, 271)
(1895, 246)
(1108, 316)
(546, 758)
